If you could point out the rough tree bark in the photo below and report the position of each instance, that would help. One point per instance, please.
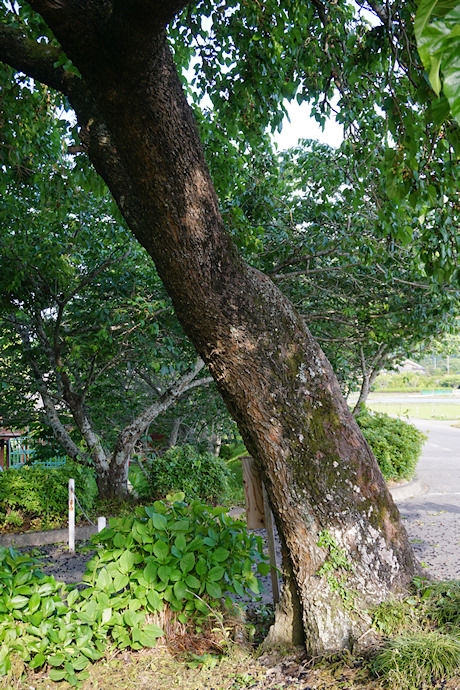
(321, 477)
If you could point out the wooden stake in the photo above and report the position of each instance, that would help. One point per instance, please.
(253, 495)
(259, 515)
(271, 547)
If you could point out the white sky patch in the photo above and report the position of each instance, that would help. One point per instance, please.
(302, 126)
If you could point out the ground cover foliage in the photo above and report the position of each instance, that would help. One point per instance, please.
(51, 633)
(164, 565)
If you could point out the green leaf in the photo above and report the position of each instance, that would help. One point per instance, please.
(220, 554)
(192, 582)
(119, 540)
(439, 47)
(154, 600)
(106, 615)
(56, 660)
(71, 597)
(18, 602)
(451, 85)
(180, 590)
(216, 573)
(150, 634)
(80, 663)
(164, 573)
(263, 568)
(120, 581)
(423, 16)
(195, 544)
(177, 497)
(238, 588)
(187, 563)
(103, 580)
(72, 680)
(161, 550)
(35, 601)
(5, 665)
(37, 661)
(201, 567)
(126, 562)
(180, 542)
(150, 572)
(160, 522)
(253, 584)
(213, 590)
(57, 674)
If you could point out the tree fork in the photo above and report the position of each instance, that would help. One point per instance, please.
(327, 493)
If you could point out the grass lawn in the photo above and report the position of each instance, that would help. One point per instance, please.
(421, 410)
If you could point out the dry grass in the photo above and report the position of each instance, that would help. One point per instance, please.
(163, 669)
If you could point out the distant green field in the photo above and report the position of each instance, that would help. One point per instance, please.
(422, 410)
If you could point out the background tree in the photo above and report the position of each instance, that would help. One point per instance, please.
(90, 343)
(309, 218)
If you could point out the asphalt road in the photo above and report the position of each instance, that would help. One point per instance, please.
(432, 519)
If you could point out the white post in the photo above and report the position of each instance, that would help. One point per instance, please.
(72, 515)
(101, 523)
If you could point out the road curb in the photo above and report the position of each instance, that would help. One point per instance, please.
(409, 490)
(53, 536)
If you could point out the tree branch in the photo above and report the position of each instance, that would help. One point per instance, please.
(311, 272)
(131, 433)
(91, 276)
(36, 60)
(293, 260)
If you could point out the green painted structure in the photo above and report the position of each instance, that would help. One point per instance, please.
(24, 450)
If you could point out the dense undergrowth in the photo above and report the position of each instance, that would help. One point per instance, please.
(35, 498)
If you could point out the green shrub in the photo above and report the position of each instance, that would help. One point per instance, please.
(392, 381)
(450, 381)
(185, 556)
(39, 495)
(201, 476)
(397, 445)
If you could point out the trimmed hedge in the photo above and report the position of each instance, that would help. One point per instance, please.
(397, 445)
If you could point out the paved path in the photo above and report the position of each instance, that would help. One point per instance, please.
(433, 518)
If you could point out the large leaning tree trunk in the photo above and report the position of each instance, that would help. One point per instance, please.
(324, 485)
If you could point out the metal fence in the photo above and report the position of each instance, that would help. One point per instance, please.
(26, 449)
